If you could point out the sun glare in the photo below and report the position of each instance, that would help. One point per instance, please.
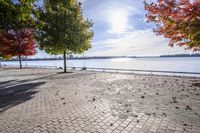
(118, 21)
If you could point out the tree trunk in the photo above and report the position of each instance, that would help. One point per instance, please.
(20, 62)
(65, 62)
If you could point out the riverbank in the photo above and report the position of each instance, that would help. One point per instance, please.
(49, 100)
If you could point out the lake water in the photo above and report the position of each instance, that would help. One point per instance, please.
(183, 64)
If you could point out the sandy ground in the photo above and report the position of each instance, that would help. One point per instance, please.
(36, 93)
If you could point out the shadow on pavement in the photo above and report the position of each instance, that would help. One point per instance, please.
(17, 94)
(5, 83)
(46, 77)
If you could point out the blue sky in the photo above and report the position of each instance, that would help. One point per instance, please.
(120, 29)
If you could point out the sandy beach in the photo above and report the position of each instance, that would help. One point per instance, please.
(47, 100)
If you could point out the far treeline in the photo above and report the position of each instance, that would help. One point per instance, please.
(57, 27)
(106, 57)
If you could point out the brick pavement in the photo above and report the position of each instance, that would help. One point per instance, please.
(45, 101)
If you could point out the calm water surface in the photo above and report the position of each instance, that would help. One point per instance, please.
(184, 64)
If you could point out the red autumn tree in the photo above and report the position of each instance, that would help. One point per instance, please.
(17, 44)
(178, 20)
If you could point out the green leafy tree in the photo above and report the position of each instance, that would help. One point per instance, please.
(16, 18)
(65, 29)
(20, 15)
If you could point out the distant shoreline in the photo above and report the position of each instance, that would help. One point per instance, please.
(90, 58)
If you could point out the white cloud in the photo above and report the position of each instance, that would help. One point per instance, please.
(136, 42)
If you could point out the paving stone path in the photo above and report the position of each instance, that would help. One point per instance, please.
(48, 101)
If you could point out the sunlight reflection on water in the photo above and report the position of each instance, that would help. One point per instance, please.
(121, 59)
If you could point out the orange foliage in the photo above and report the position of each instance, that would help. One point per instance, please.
(178, 20)
(17, 44)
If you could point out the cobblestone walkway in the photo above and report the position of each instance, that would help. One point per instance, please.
(46, 101)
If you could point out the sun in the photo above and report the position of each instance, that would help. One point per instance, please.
(118, 20)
